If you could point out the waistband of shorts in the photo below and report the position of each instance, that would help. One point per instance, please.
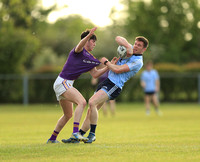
(113, 83)
(65, 79)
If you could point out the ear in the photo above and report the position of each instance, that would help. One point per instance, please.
(144, 49)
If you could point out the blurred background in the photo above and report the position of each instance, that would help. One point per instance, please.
(37, 35)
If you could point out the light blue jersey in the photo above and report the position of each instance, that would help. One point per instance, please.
(150, 77)
(135, 63)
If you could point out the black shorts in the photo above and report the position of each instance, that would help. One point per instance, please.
(150, 93)
(110, 88)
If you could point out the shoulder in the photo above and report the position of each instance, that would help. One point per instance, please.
(137, 60)
(144, 72)
(154, 71)
(144, 75)
(74, 50)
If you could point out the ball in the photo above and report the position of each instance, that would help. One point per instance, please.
(121, 51)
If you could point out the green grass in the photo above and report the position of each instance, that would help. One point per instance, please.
(129, 136)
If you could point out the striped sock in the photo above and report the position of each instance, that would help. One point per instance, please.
(54, 135)
(76, 127)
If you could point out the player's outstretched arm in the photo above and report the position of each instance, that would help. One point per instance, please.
(83, 41)
(115, 68)
(98, 72)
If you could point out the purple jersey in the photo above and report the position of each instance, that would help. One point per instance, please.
(78, 63)
(103, 77)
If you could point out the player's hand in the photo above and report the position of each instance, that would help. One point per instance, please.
(93, 30)
(114, 60)
(157, 89)
(129, 51)
(103, 59)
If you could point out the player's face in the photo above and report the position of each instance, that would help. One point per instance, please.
(149, 67)
(91, 44)
(138, 47)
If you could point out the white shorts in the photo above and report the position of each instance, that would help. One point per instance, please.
(60, 86)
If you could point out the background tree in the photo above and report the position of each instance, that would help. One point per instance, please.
(172, 28)
(18, 41)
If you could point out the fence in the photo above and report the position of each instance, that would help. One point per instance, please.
(39, 88)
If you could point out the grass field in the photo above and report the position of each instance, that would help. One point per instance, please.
(129, 136)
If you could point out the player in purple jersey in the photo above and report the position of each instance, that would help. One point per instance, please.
(79, 61)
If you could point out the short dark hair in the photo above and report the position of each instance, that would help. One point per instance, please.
(144, 40)
(86, 32)
(149, 62)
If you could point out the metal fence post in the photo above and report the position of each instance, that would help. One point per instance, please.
(25, 90)
(199, 88)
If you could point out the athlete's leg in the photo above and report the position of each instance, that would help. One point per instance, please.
(155, 100)
(104, 108)
(67, 110)
(73, 95)
(95, 103)
(112, 106)
(67, 107)
(156, 104)
(86, 123)
(147, 100)
(70, 95)
(97, 99)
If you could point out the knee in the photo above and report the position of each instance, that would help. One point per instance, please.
(91, 104)
(83, 103)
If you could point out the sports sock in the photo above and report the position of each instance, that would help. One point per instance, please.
(92, 128)
(156, 109)
(75, 128)
(82, 132)
(54, 135)
(148, 112)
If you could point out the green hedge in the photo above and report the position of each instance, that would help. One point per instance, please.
(174, 88)
(178, 84)
(192, 67)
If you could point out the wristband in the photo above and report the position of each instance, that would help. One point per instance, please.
(105, 62)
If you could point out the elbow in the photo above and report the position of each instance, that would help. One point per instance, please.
(95, 76)
(117, 38)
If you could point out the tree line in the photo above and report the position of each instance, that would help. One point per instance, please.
(28, 43)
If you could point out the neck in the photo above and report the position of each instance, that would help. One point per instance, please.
(87, 49)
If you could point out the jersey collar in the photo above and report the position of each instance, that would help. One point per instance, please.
(137, 54)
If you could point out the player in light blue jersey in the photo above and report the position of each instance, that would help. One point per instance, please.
(121, 70)
(150, 82)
